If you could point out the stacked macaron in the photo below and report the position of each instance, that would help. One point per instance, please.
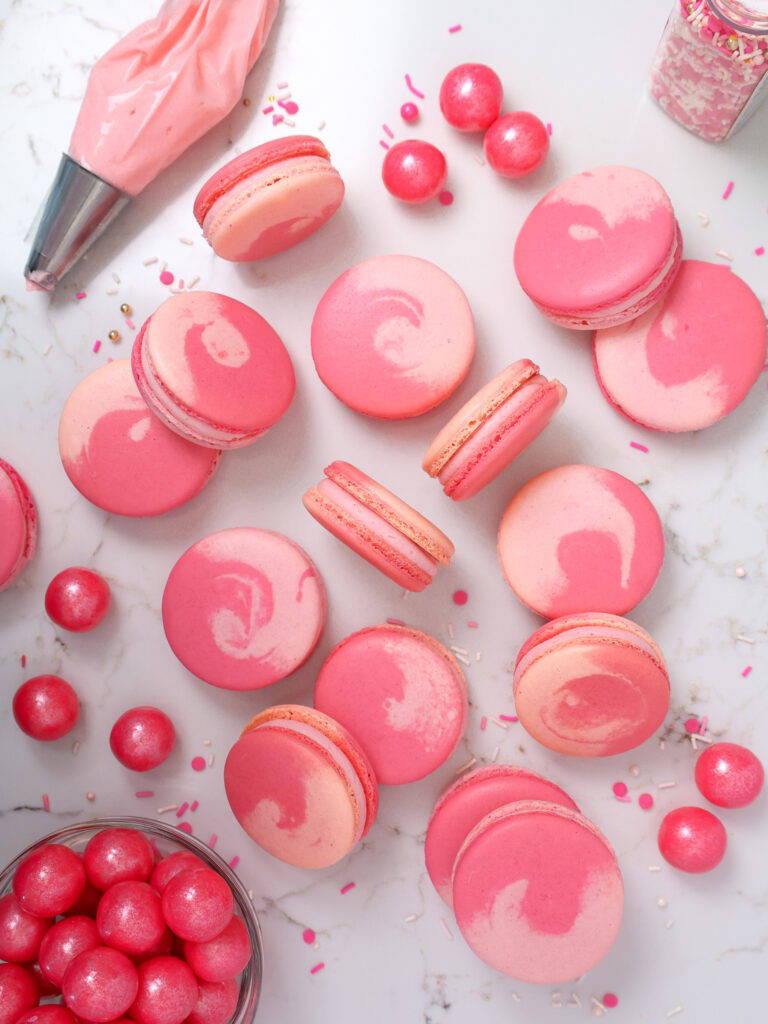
(18, 524)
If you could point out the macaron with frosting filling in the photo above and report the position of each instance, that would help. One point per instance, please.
(18, 524)
(492, 429)
(378, 526)
(212, 370)
(591, 685)
(301, 786)
(269, 198)
(599, 249)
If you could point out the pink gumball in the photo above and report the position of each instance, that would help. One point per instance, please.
(692, 839)
(142, 738)
(46, 708)
(118, 855)
(100, 984)
(216, 1002)
(409, 112)
(50, 1014)
(170, 866)
(49, 880)
(198, 904)
(729, 775)
(77, 599)
(130, 917)
(18, 992)
(470, 97)
(167, 992)
(63, 942)
(516, 144)
(223, 957)
(414, 171)
(20, 933)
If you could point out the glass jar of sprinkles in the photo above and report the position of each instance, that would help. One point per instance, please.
(709, 72)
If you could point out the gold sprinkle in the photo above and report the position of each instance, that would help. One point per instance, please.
(114, 336)
(732, 42)
(246, 102)
(125, 309)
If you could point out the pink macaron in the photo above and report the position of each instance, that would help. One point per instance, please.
(18, 524)
(212, 370)
(120, 456)
(599, 249)
(537, 892)
(465, 803)
(689, 360)
(492, 429)
(378, 526)
(401, 694)
(269, 199)
(393, 337)
(243, 608)
(576, 538)
(301, 786)
(591, 685)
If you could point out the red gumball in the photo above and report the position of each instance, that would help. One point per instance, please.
(100, 984)
(223, 957)
(77, 599)
(516, 144)
(692, 839)
(118, 855)
(20, 932)
(167, 992)
(50, 1014)
(46, 708)
(142, 738)
(216, 1002)
(729, 775)
(130, 917)
(470, 97)
(170, 866)
(18, 992)
(414, 171)
(49, 880)
(67, 939)
(198, 904)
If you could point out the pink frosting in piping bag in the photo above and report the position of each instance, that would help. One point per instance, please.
(165, 84)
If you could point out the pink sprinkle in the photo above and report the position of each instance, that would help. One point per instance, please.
(96, 345)
(347, 887)
(746, 671)
(455, 28)
(234, 862)
(395, 622)
(46, 802)
(141, 793)
(445, 197)
(23, 661)
(549, 128)
(182, 809)
(384, 144)
(288, 106)
(703, 726)
(460, 597)
(728, 190)
(760, 250)
(80, 295)
(388, 131)
(212, 840)
(620, 789)
(130, 324)
(198, 763)
(166, 277)
(692, 725)
(185, 827)
(610, 1000)
(90, 795)
(640, 447)
(277, 118)
(308, 935)
(509, 718)
(194, 806)
(317, 967)
(472, 625)
(483, 722)
(413, 88)
(268, 110)
(646, 801)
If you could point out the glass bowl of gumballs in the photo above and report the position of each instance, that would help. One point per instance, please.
(126, 920)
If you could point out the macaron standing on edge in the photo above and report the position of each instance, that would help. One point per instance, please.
(269, 198)
(18, 524)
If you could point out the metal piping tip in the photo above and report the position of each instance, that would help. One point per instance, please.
(79, 207)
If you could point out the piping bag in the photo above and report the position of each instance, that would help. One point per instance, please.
(150, 97)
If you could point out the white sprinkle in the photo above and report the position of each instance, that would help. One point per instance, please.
(693, 742)
(410, 917)
(315, 945)
(495, 755)
(674, 1010)
(501, 725)
(116, 279)
(206, 743)
(75, 746)
(450, 630)
(744, 639)
(666, 785)
(574, 1001)
(661, 902)
(284, 95)
(111, 291)
(175, 291)
(47, 349)
(669, 923)
(724, 255)
(462, 659)
(289, 121)
(445, 928)
(163, 266)
(556, 999)
(654, 867)
(170, 807)
(516, 997)
(150, 261)
(459, 650)
(741, 572)
(320, 125)
(210, 760)
(597, 1007)
(661, 744)
(464, 767)
(478, 656)
(192, 283)
(703, 218)
(282, 85)
(479, 159)
(186, 241)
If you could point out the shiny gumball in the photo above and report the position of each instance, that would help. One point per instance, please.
(46, 708)
(142, 738)
(18, 992)
(100, 984)
(414, 171)
(77, 599)
(409, 112)
(516, 144)
(49, 880)
(470, 97)
(692, 839)
(729, 775)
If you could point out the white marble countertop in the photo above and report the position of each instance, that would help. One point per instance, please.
(689, 945)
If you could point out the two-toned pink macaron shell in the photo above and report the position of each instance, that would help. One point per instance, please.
(579, 538)
(120, 456)
(301, 786)
(269, 198)
(492, 429)
(692, 358)
(18, 524)
(393, 336)
(212, 369)
(591, 685)
(243, 608)
(599, 249)
(401, 694)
